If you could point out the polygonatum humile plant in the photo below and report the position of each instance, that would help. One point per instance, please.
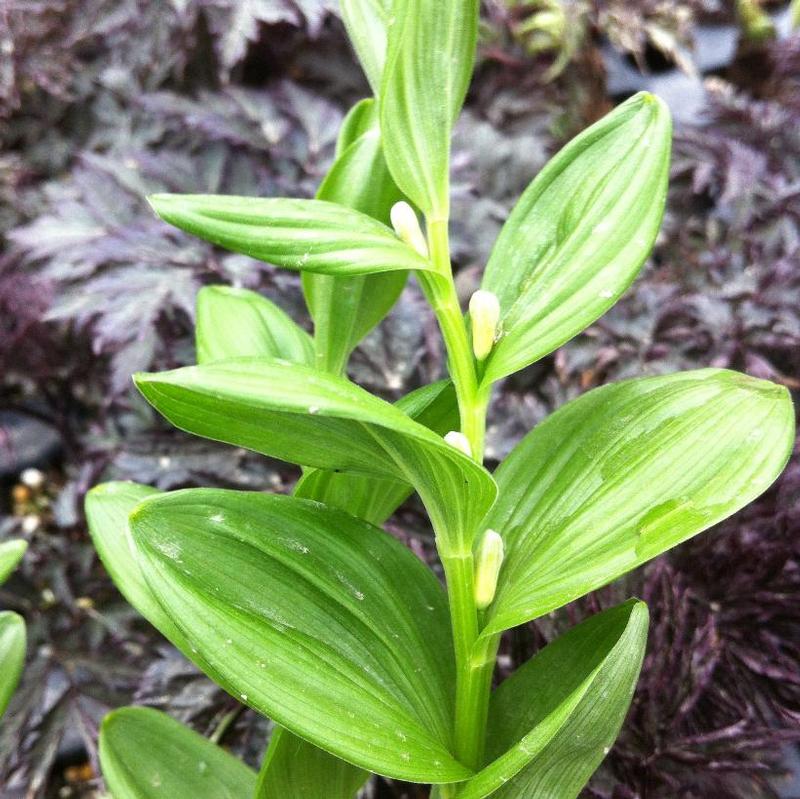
(301, 606)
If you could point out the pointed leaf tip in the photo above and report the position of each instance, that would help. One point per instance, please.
(145, 754)
(624, 473)
(580, 233)
(11, 553)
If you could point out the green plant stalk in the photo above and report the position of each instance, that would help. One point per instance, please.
(473, 668)
(440, 291)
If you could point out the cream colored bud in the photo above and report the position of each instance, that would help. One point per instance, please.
(30, 523)
(487, 568)
(484, 314)
(459, 441)
(406, 225)
(33, 478)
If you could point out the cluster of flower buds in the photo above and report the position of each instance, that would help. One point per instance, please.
(484, 307)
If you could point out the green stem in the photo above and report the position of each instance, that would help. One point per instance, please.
(474, 656)
(459, 573)
(223, 725)
(475, 704)
(441, 293)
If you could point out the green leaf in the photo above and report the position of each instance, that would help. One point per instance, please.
(11, 553)
(554, 720)
(294, 769)
(235, 322)
(107, 509)
(345, 309)
(12, 655)
(428, 69)
(305, 235)
(372, 498)
(580, 233)
(108, 506)
(625, 472)
(145, 754)
(314, 618)
(306, 417)
(362, 118)
(366, 22)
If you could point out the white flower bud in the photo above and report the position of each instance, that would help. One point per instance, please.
(30, 523)
(406, 225)
(32, 478)
(487, 568)
(484, 314)
(459, 441)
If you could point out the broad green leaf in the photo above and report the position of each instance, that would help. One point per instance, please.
(305, 235)
(292, 764)
(625, 472)
(317, 619)
(108, 506)
(145, 754)
(345, 309)
(580, 233)
(366, 22)
(235, 322)
(372, 498)
(299, 415)
(12, 654)
(555, 719)
(11, 553)
(431, 52)
(294, 769)
(107, 509)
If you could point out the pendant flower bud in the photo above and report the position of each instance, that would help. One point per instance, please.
(459, 441)
(406, 225)
(487, 568)
(484, 313)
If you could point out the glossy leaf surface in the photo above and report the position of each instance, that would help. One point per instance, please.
(316, 619)
(431, 52)
(12, 654)
(145, 754)
(372, 498)
(345, 309)
(295, 769)
(366, 22)
(304, 235)
(302, 416)
(625, 472)
(107, 509)
(554, 720)
(580, 233)
(233, 322)
(11, 553)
